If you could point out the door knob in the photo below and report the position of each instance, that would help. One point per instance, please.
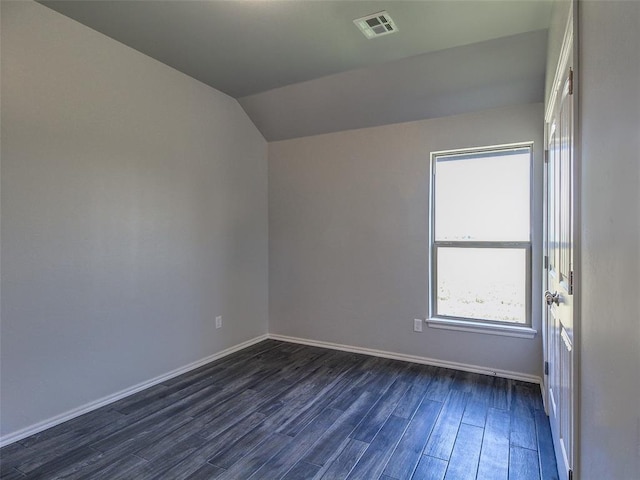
(552, 298)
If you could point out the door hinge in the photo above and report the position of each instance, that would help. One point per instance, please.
(546, 368)
(571, 81)
(570, 474)
(546, 156)
(571, 282)
(546, 262)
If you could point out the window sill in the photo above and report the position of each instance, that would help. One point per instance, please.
(479, 327)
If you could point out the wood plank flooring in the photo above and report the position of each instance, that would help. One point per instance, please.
(279, 410)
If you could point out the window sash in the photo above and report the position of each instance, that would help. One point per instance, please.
(526, 246)
(434, 244)
(465, 209)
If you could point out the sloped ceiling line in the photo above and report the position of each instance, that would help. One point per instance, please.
(303, 68)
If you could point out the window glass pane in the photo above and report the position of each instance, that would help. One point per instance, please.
(482, 283)
(483, 196)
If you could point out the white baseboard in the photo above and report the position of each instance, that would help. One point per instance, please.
(88, 407)
(412, 358)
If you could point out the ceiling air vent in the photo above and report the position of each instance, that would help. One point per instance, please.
(376, 25)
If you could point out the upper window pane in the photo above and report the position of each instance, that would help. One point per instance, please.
(483, 196)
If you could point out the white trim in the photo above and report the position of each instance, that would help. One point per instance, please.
(88, 407)
(484, 328)
(565, 52)
(545, 401)
(411, 358)
(488, 148)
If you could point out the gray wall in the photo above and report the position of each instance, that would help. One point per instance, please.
(134, 210)
(609, 76)
(348, 238)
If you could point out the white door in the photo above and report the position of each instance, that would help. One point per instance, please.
(558, 329)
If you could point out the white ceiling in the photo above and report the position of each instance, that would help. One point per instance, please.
(248, 48)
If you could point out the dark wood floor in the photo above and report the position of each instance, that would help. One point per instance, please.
(285, 411)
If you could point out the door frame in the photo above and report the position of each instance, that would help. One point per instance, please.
(569, 50)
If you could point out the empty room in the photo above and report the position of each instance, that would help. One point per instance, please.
(320, 239)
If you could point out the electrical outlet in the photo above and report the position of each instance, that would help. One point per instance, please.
(417, 325)
(219, 321)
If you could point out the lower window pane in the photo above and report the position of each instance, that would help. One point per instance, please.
(482, 283)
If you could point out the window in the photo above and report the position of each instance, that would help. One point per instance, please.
(481, 236)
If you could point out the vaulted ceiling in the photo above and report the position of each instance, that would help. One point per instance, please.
(301, 67)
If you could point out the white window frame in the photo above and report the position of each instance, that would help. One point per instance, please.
(470, 324)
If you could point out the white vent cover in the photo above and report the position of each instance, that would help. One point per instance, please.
(376, 25)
